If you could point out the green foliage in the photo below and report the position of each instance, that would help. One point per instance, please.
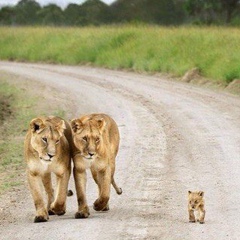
(7, 16)
(214, 50)
(95, 12)
(26, 12)
(11, 134)
(212, 11)
(164, 12)
(51, 15)
(23, 107)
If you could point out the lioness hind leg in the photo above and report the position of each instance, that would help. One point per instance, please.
(59, 205)
(47, 183)
(95, 177)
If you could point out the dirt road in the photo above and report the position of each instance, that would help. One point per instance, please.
(174, 137)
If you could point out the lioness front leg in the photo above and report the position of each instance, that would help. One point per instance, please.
(59, 204)
(104, 183)
(80, 178)
(95, 177)
(35, 184)
(47, 183)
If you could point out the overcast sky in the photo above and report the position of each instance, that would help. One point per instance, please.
(61, 3)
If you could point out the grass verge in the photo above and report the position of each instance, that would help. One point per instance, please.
(18, 106)
(214, 50)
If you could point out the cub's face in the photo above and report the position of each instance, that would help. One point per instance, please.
(195, 199)
(88, 138)
(45, 138)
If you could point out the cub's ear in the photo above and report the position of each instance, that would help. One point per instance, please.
(101, 124)
(37, 125)
(201, 194)
(76, 125)
(60, 127)
(189, 192)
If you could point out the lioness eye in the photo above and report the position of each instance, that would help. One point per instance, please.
(57, 141)
(84, 139)
(97, 140)
(44, 139)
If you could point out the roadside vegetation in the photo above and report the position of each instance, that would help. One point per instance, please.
(13, 116)
(215, 51)
(17, 107)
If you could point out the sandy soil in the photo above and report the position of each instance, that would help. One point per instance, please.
(175, 137)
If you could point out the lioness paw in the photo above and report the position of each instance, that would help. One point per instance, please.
(100, 204)
(58, 209)
(50, 212)
(82, 214)
(39, 219)
(106, 208)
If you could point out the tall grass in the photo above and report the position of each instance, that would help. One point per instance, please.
(214, 50)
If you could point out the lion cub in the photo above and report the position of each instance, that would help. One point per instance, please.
(196, 204)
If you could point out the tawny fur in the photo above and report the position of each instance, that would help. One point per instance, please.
(96, 138)
(47, 149)
(196, 206)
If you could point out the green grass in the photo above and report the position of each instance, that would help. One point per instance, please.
(11, 135)
(214, 50)
(13, 127)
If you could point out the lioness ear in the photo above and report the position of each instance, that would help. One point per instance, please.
(37, 125)
(201, 194)
(76, 125)
(189, 192)
(101, 124)
(60, 127)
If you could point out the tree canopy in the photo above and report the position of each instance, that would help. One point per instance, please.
(96, 12)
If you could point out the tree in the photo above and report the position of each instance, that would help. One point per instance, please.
(26, 12)
(72, 14)
(209, 11)
(95, 12)
(163, 12)
(51, 15)
(7, 16)
(206, 11)
(230, 7)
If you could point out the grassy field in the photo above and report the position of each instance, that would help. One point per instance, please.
(214, 50)
(12, 134)
(17, 107)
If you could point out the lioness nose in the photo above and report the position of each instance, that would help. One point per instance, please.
(50, 155)
(91, 154)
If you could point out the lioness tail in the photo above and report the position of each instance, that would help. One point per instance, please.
(118, 190)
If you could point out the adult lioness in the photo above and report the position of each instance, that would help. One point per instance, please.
(96, 138)
(47, 148)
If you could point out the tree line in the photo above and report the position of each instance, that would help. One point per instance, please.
(96, 12)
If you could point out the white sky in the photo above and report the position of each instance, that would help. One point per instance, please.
(61, 3)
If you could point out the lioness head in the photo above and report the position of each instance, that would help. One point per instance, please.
(88, 136)
(195, 199)
(46, 135)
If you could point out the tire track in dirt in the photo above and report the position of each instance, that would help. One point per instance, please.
(178, 137)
